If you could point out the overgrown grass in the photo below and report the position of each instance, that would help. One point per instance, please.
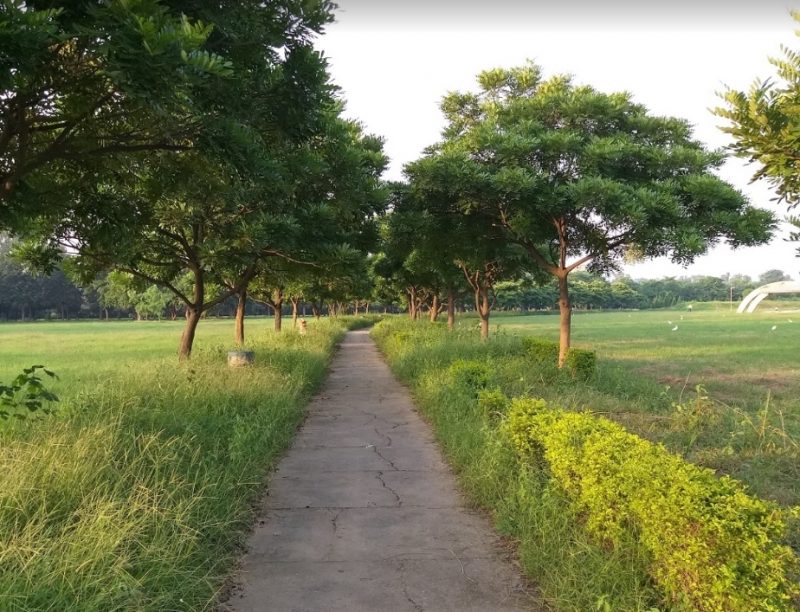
(573, 571)
(137, 493)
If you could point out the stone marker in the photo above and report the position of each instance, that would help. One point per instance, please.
(240, 358)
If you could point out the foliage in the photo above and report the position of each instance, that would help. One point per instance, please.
(493, 403)
(579, 362)
(474, 375)
(26, 392)
(713, 547)
(577, 177)
(541, 351)
(88, 83)
(765, 124)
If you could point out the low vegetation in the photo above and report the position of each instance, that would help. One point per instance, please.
(463, 386)
(135, 493)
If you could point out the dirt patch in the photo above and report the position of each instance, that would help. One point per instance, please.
(775, 380)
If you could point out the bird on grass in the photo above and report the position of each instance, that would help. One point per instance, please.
(675, 328)
(774, 327)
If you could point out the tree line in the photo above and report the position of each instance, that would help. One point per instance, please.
(189, 155)
(29, 296)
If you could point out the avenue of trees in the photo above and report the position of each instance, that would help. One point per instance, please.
(298, 291)
(180, 157)
(563, 176)
(186, 144)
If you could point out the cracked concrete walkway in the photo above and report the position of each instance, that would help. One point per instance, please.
(363, 515)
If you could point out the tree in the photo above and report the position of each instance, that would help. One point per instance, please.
(577, 177)
(765, 125)
(84, 82)
(773, 276)
(218, 208)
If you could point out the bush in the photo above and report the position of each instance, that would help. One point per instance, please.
(580, 363)
(493, 404)
(541, 351)
(472, 374)
(712, 547)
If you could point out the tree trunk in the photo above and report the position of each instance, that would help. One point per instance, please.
(193, 313)
(434, 314)
(565, 309)
(239, 325)
(483, 307)
(451, 310)
(187, 338)
(412, 303)
(355, 307)
(294, 302)
(315, 310)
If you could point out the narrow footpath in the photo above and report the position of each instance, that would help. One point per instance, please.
(363, 514)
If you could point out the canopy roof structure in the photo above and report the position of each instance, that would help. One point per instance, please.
(754, 298)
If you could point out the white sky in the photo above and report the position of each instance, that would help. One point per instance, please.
(395, 60)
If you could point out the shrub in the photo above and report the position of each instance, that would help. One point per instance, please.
(26, 393)
(580, 363)
(493, 404)
(541, 351)
(712, 547)
(469, 373)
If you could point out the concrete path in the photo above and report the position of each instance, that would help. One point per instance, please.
(363, 515)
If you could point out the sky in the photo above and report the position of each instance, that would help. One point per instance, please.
(395, 60)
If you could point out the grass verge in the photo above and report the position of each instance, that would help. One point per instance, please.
(138, 493)
(573, 570)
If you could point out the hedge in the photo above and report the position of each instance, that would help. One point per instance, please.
(579, 362)
(712, 546)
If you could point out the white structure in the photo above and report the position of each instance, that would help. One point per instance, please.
(754, 298)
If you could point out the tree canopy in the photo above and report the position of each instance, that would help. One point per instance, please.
(577, 177)
(764, 122)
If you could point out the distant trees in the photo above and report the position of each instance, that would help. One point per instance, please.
(576, 178)
(773, 276)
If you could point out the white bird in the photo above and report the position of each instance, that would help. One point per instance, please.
(789, 320)
(774, 327)
(675, 328)
(669, 322)
(681, 317)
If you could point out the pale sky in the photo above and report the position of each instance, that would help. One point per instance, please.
(396, 60)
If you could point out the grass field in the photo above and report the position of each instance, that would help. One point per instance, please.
(137, 493)
(744, 419)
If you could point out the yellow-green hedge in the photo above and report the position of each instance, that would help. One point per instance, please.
(712, 547)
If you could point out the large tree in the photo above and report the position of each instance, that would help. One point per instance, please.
(230, 199)
(577, 177)
(765, 124)
(82, 82)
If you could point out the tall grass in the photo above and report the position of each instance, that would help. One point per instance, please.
(137, 494)
(572, 572)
